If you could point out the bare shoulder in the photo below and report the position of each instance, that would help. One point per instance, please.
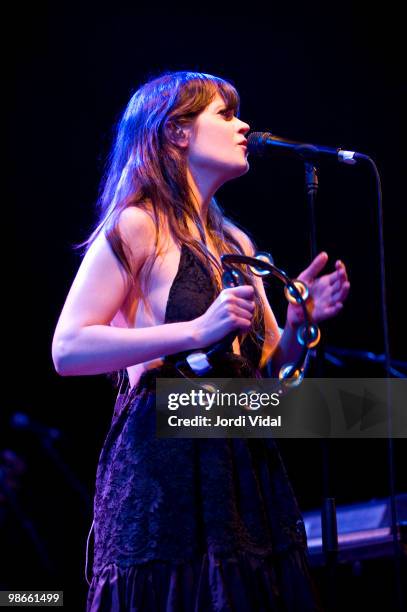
(137, 231)
(136, 222)
(101, 285)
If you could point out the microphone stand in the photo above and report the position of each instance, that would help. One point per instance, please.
(328, 510)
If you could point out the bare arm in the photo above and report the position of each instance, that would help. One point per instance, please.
(84, 342)
(98, 349)
(280, 346)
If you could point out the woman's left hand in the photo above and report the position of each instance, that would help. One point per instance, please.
(327, 293)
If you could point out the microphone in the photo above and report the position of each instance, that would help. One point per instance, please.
(262, 143)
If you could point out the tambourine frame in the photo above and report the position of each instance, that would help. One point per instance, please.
(308, 334)
(289, 370)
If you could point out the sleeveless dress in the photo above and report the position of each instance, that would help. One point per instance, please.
(194, 525)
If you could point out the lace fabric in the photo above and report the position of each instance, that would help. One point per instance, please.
(187, 502)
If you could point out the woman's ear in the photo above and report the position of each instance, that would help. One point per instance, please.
(178, 135)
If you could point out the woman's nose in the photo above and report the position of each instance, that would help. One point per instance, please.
(244, 128)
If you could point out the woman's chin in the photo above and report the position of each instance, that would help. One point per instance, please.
(239, 170)
(243, 168)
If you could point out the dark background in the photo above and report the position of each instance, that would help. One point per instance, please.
(330, 74)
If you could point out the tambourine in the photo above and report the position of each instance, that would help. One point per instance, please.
(295, 291)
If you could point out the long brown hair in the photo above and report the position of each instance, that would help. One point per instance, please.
(145, 165)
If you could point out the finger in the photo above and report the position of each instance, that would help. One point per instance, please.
(334, 279)
(242, 313)
(340, 285)
(241, 323)
(340, 266)
(245, 304)
(343, 292)
(339, 274)
(315, 267)
(244, 291)
(240, 292)
(231, 298)
(244, 324)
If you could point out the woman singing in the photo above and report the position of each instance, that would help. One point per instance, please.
(191, 525)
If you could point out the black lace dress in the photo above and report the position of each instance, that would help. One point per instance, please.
(194, 525)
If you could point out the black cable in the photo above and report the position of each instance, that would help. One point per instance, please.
(388, 369)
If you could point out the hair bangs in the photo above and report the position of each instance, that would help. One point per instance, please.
(200, 89)
(229, 95)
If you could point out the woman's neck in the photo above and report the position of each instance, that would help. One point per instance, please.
(203, 188)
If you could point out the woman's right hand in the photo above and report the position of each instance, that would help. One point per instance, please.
(231, 311)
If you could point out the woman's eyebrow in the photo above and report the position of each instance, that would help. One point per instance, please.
(224, 106)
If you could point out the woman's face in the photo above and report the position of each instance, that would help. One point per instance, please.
(217, 144)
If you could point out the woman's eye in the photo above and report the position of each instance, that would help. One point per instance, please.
(227, 112)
